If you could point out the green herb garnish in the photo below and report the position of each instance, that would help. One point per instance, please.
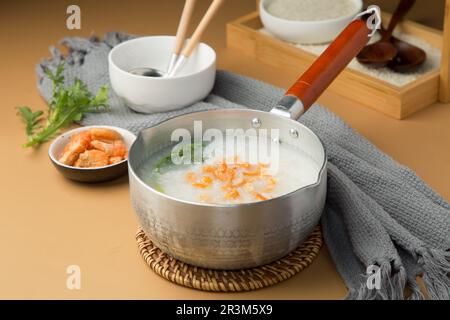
(31, 119)
(66, 106)
(166, 161)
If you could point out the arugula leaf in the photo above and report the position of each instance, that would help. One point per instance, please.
(31, 120)
(163, 162)
(68, 104)
(101, 97)
(157, 187)
(166, 160)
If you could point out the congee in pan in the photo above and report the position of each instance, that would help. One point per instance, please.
(237, 169)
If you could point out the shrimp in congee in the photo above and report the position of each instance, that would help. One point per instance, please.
(230, 175)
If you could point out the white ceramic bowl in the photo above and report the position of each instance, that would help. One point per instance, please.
(99, 174)
(305, 32)
(150, 95)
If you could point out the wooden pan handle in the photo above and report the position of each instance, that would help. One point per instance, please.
(183, 26)
(195, 39)
(328, 66)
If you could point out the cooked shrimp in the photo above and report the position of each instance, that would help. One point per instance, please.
(106, 135)
(207, 180)
(114, 160)
(239, 182)
(191, 177)
(92, 158)
(260, 197)
(77, 145)
(208, 169)
(235, 180)
(200, 185)
(232, 194)
(257, 172)
(271, 183)
(115, 148)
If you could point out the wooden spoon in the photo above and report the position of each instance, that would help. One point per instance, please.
(380, 53)
(408, 58)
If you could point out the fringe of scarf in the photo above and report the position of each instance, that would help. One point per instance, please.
(436, 277)
(416, 293)
(392, 286)
(436, 271)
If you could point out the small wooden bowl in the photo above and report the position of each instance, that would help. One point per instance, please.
(90, 175)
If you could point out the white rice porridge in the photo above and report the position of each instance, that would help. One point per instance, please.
(236, 177)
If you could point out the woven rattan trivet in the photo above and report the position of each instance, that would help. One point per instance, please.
(229, 281)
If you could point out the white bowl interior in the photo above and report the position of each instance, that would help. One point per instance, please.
(306, 32)
(61, 141)
(358, 4)
(155, 52)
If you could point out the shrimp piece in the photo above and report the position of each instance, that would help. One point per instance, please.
(270, 180)
(78, 144)
(208, 169)
(191, 177)
(222, 167)
(116, 148)
(225, 173)
(92, 159)
(257, 172)
(207, 180)
(114, 160)
(105, 135)
(260, 197)
(244, 165)
(239, 182)
(232, 194)
(200, 185)
(220, 175)
(229, 175)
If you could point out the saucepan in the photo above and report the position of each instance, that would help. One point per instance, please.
(246, 235)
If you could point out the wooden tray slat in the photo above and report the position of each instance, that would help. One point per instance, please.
(444, 89)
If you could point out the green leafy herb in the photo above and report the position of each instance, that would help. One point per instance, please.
(166, 160)
(31, 120)
(68, 104)
(157, 187)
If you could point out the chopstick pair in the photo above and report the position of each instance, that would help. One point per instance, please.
(180, 54)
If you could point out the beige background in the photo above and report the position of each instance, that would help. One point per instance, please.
(48, 222)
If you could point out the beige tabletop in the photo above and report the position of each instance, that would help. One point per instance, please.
(48, 223)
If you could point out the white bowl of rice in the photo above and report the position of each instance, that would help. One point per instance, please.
(308, 21)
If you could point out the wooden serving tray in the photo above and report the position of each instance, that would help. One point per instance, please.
(398, 102)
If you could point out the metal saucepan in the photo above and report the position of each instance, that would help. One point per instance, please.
(252, 234)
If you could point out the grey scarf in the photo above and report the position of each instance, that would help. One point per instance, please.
(378, 212)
